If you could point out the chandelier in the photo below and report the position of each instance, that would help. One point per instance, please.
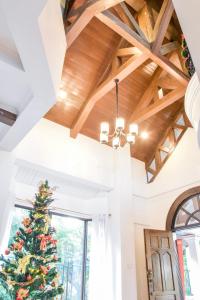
(119, 136)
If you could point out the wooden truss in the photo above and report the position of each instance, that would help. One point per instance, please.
(146, 34)
(167, 145)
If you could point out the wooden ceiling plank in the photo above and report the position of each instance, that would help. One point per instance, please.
(146, 21)
(127, 68)
(7, 117)
(156, 107)
(147, 95)
(96, 6)
(132, 20)
(162, 24)
(132, 37)
(109, 61)
(136, 4)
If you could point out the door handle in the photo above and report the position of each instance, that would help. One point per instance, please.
(149, 274)
(150, 281)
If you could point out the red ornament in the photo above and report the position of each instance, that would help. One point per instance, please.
(17, 233)
(18, 246)
(53, 284)
(21, 294)
(41, 287)
(29, 230)
(7, 252)
(54, 242)
(29, 277)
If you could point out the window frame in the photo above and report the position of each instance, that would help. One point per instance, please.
(85, 242)
(177, 203)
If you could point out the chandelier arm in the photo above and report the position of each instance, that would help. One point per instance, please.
(117, 97)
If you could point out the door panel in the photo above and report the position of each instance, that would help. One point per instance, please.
(161, 266)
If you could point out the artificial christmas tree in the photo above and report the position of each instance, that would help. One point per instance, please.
(28, 269)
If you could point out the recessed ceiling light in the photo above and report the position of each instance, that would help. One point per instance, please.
(144, 135)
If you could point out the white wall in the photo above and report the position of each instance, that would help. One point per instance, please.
(49, 145)
(49, 151)
(153, 201)
(94, 178)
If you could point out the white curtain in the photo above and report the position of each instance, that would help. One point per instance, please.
(7, 172)
(6, 217)
(100, 281)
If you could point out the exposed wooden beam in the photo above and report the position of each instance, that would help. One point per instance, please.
(132, 20)
(170, 68)
(168, 82)
(127, 68)
(169, 47)
(147, 95)
(96, 6)
(128, 51)
(123, 16)
(125, 31)
(170, 134)
(159, 105)
(162, 24)
(172, 33)
(132, 37)
(7, 117)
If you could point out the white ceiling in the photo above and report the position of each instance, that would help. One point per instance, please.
(8, 50)
(32, 51)
(14, 88)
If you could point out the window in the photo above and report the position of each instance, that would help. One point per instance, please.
(188, 213)
(74, 238)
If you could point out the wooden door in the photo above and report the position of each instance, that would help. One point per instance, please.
(161, 266)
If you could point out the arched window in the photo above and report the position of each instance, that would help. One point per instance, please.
(185, 211)
(188, 214)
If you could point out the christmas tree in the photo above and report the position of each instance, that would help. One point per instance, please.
(28, 269)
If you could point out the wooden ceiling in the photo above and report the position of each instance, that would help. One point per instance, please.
(138, 42)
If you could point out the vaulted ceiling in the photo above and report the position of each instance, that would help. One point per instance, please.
(138, 42)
